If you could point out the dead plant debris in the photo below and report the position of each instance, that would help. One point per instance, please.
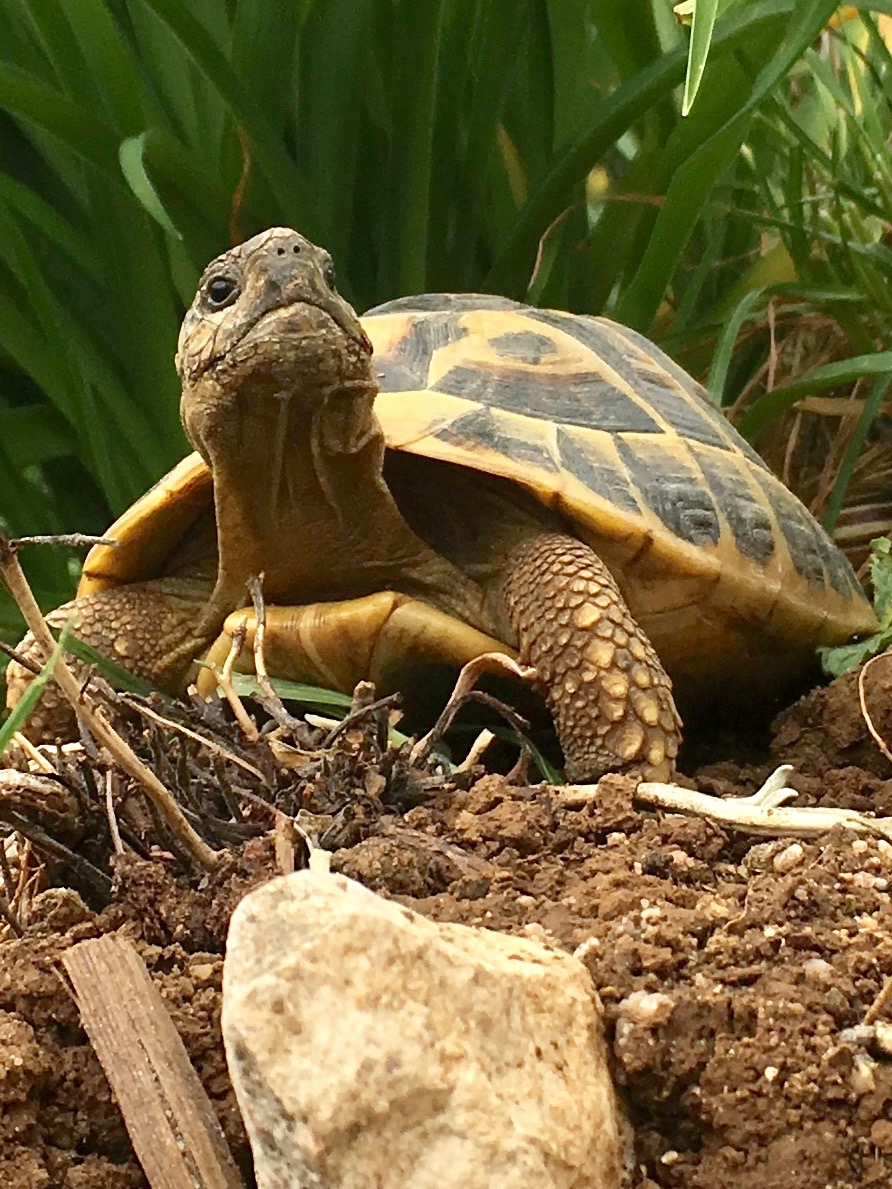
(745, 982)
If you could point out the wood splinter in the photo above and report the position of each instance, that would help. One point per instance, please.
(175, 1132)
(763, 813)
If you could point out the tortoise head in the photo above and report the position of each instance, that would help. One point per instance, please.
(267, 322)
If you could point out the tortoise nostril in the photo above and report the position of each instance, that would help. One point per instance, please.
(296, 249)
(280, 251)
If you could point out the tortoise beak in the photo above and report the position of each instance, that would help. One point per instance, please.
(285, 269)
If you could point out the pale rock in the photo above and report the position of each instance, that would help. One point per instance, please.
(371, 1048)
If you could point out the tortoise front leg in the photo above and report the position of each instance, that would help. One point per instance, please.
(610, 697)
(149, 628)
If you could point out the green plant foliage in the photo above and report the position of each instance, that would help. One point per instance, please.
(18, 717)
(531, 147)
(837, 661)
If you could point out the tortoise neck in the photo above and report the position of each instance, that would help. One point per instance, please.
(300, 497)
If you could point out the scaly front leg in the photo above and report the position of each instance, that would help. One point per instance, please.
(608, 693)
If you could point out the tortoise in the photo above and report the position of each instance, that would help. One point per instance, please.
(496, 477)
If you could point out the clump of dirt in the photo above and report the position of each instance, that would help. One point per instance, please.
(747, 983)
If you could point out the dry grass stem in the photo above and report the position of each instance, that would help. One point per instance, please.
(275, 705)
(865, 713)
(209, 744)
(16, 656)
(488, 662)
(77, 540)
(879, 1004)
(95, 718)
(478, 747)
(224, 680)
(34, 754)
(8, 917)
(110, 811)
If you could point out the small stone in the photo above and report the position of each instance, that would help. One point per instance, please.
(758, 857)
(883, 1037)
(816, 970)
(863, 1076)
(859, 1035)
(647, 1009)
(771, 1072)
(863, 879)
(789, 857)
(370, 1046)
(586, 947)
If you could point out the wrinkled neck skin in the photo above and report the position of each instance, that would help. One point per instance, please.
(300, 497)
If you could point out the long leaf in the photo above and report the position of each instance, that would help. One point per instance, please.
(846, 371)
(615, 116)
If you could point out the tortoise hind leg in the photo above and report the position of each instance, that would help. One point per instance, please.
(607, 691)
(146, 627)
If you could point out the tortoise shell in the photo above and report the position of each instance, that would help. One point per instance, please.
(711, 550)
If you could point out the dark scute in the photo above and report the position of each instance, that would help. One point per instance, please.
(523, 345)
(674, 492)
(406, 368)
(750, 524)
(805, 538)
(705, 404)
(690, 419)
(839, 571)
(482, 427)
(595, 470)
(447, 302)
(587, 332)
(584, 398)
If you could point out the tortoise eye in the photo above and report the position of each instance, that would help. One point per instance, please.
(221, 291)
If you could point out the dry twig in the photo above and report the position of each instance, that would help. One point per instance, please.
(110, 811)
(488, 662)
(357, 715)
(209, 744)
(95, 717)
(74, 540)
(224, 682)
(865, 713)
(762, 813)
(173, 1126)
(274, 703)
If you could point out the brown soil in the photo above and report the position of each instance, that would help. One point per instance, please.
(741, 978)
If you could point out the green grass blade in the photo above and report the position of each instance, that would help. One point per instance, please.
(872, 405)
(131, 155)
(701, 38)
(419, 25)
(615, 116)
(845, 371)
(115, 674)
(693, 181)
(278, 169)
(21, 713)
(247, 686)
(69, 122)
(721, 359)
